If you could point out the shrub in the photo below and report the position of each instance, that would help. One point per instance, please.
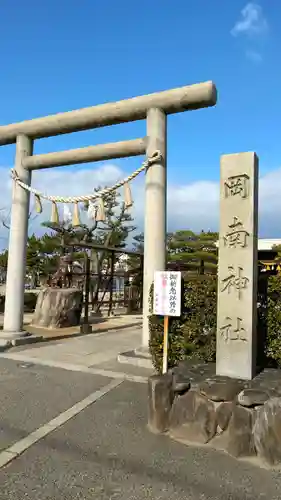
(273, 320)
(2, 303)
(30, 299)
(193, 334)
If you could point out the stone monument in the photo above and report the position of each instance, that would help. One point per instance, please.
(60, 304)
(238, 267)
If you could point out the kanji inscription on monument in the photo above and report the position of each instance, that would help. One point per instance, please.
(237, 273)
(237, 185)
(236, 236)
(234, 280)
(233, 330)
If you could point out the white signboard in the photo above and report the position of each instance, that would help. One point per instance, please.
(167, 293)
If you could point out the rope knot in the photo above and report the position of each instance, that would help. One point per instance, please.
(155, 157)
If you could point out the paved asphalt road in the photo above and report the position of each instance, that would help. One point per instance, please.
(106, 452)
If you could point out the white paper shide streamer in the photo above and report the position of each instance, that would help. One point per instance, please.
(91, 213)
(67, 215)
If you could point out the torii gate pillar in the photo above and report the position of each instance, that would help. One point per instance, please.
(14, 295)
(155, 210)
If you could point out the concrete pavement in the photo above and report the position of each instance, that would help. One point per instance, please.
(94, 353)
(80, 429)
(106, 452)
(100, 324)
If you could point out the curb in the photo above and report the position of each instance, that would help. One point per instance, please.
(4, 345)
(28, 339)
(36, 339)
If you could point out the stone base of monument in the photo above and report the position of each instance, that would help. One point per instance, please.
(240, 418)
(58, 308)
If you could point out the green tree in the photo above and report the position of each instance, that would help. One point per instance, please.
(138, 243)
(41, 257)
(196, 252)
(135, 262)
(277, 249)
(50, 251)
(62, 234)
(33, 259)
(4, 259)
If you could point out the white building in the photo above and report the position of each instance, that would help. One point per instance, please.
(265, 244)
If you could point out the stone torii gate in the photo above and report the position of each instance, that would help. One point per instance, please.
(152, 107)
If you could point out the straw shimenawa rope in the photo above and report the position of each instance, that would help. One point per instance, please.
(156, 157)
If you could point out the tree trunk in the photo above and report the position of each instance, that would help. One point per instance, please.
(58, 308)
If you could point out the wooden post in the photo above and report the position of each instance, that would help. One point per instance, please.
(165, 344)
(141, 284)
(86, 327)
(112, 263)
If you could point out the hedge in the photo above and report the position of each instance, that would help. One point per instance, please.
(193, 335)
(30, 299)
(273, 321)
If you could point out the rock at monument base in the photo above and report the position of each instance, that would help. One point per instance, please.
(181, 383)
(183, 409)
(160, 400)
(220, 389)
(252, 397)
(242, 418)
(267, 431)
(239, 433)
(205, 422)
(193, 418)
(223, 415)
(58, 308)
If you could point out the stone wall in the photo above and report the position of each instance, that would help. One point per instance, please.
(241, 418)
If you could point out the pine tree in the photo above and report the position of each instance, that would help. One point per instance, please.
(193, 252)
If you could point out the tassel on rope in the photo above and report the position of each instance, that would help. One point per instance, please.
(128, 200)
(38, 204)
(75, 216)
(100, 217)
(55, 213)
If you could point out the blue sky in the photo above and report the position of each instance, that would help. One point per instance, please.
(62, 55)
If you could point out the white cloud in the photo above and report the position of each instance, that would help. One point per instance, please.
(192, 205)
(252, 21)
(254, 56)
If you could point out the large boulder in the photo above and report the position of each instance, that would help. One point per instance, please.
(224, 412)
(267, 431)
(193, 418)
(221, 388)
(183, 409)
(181, 382)
(58, 308)
(239, 433)
(160, 400)
(252, 397)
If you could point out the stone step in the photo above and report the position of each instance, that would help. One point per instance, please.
(130, 357)
(143, 351)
